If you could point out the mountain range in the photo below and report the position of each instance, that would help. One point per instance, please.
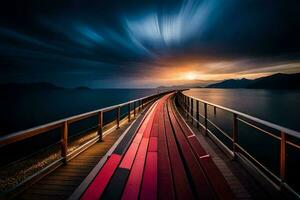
(275, 81)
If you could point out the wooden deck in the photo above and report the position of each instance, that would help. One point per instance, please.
(62, 182)
(163, 160)
(158, 158)
(243, 185)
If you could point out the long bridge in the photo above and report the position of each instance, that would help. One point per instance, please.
(165, 146)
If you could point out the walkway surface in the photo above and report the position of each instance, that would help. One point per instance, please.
(159, 156)
(62, 182)
(163, 160)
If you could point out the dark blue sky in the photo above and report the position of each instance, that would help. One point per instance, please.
(146, 43)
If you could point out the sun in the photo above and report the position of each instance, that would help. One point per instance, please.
(190, 76)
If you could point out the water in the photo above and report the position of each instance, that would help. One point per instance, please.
(281, 107)
(25, 109)
(277, 106)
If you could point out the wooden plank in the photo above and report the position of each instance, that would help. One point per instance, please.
(76, 167)
(181, 183)
(131, 152)
(149, 184)
(133, 148)
(153, 144)
(165, 180)
(115, 188)
(213, 174)
(202, 188)
(97, 187)
(131, 190)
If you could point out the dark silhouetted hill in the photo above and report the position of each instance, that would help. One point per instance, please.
(275, 81)
(232, 83)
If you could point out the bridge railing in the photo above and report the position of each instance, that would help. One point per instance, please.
(108, 119)
(234, 139)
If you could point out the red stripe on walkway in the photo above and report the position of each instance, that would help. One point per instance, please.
(98, 185)
(131, 191)
(149, 185)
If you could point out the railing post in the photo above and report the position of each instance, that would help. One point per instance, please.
(234, 134)
(282, 157)
(100, 125)
(118, 117)
(134, 107)
(192, 109)
(129, 113)
(197, 113)
(184, 104)
(205, 117)
(215, 110)
(64, 141)
(139, 105)
(188, 106)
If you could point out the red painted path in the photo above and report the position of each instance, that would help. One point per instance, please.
(164, 160)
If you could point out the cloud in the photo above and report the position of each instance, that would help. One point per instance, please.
(151, 41)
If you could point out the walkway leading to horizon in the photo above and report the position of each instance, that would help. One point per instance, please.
(162, 160)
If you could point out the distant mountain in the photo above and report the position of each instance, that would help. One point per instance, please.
(190, 84)
(232, 83)
(275, 81)
(29, 86)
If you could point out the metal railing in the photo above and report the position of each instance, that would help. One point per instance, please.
(189, 103)
(133, 106)
(116, 115)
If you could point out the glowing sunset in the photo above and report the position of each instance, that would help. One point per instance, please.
(149, 99)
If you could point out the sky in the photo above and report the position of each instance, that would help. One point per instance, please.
(123, 44)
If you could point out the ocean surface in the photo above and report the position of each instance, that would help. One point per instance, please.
(25, 109)
(281, 107)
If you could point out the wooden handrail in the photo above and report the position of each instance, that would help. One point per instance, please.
(28, 133)
(260, 121)
(184, 102)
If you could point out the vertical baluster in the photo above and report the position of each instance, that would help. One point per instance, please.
(282, 157)
(64, 141)
(197, 113)
(192, 109)
(139, 105)
(100, 125)
(129, 112)
(205, 118)
(215, 110)
(134, 106)
(118, 112)
(184, 103)
(234, 134)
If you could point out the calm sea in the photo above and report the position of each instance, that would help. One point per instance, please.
(22, 110)
(277, 106)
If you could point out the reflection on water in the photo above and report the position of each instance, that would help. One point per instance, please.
(277, 106)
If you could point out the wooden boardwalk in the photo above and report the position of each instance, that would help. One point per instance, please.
(152, 161)
(62, 182)
(163, 160)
